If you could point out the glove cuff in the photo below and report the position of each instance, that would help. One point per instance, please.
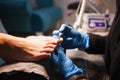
(75, 71)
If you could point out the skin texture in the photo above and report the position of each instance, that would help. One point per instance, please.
(31, 48)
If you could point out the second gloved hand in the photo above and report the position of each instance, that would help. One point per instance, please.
(72, 38)
(64, 64)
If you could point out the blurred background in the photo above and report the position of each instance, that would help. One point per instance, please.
(25, 17)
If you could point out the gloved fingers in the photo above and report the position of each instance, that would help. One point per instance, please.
(54, 56)
(65, 28)
(60, 51)
(58, 55)
(56, 33)
(68, 31)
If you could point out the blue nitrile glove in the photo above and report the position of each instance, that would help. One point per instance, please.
(64, 64)
(72, 38)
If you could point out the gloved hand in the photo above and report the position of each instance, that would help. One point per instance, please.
(72, 38)
(64, 64)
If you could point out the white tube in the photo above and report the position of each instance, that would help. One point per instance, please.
(79, 14)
